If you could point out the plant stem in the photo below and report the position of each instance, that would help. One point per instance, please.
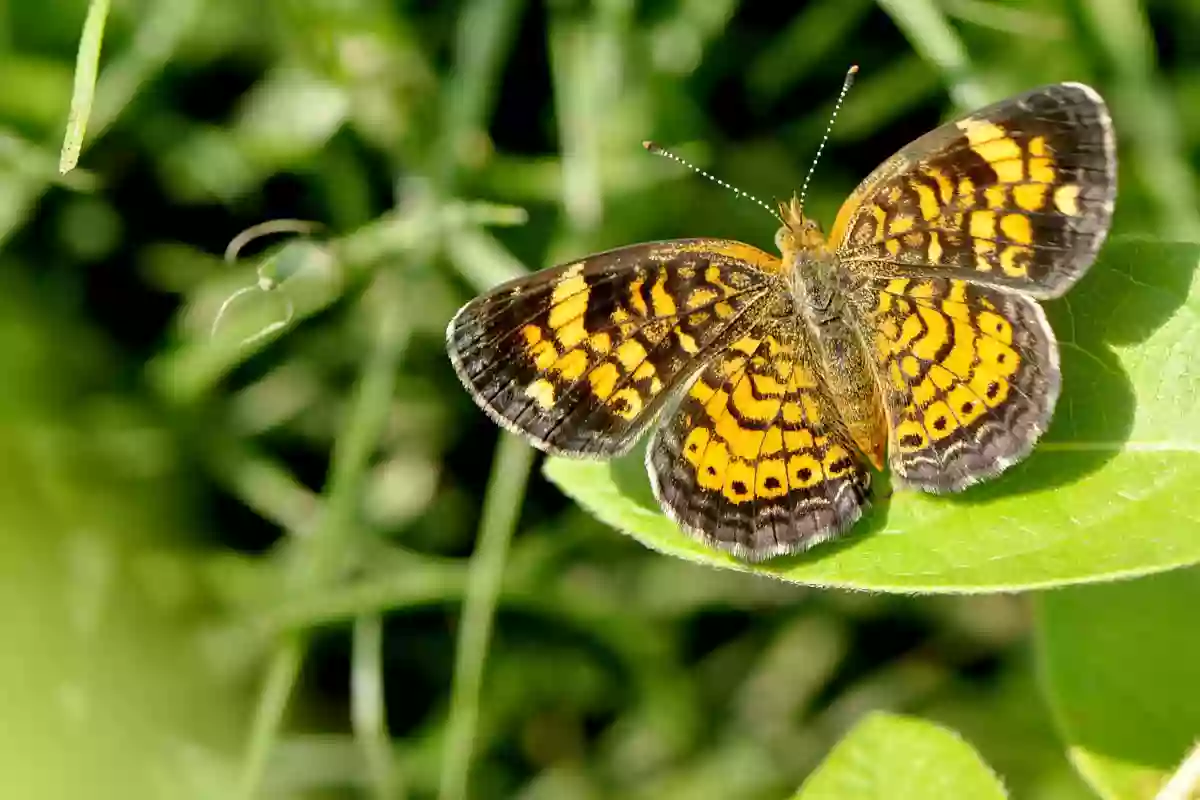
(502, 503)
(321, 557)
(272, 702)
(367, 705)
(87, 64)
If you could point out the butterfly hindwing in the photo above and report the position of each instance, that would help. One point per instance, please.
(1017, 195)
(755, 458)
(969, 376)
(580, 357)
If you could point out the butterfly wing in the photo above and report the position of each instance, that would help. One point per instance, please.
(1017, 195)
(581, 357)
(755, 458)
(969, 376)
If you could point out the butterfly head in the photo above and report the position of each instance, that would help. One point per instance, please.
(798, 233)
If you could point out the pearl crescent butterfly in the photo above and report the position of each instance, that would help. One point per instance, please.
(910, 335)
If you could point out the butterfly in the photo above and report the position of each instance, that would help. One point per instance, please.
(910, 335)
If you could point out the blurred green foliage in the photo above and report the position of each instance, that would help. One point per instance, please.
(234, 565)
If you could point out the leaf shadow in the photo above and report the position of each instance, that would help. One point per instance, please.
(1136, 286)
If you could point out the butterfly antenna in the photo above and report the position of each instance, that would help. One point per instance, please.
(659, 150)
(846, 84)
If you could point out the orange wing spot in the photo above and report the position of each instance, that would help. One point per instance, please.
(945, 185)
(1066, 199)
(924, 392)
(962, 355)
(1037, 146)
(626, 402)
(937, 333)
(600, 343)
(911, 366)
(940, 420)
(798, 440)
(571, 365)
(767, 385)
(994, 146)
(836, 462)
(996, 197)
(1030, 196)
(568, 302)
(636, 301)
(1042, 170)
(544, 355)
(898, 380)
(532, 334)
(935, 248)
(645, 372)
(771, 478)
(664, 304)
(749, 406)
(804, 471)
(966, 188)
(694, 445)
(928, 202)
(714, 278)
(901, 223)
(542, 392)
(739, 481)
(892, 246)
(701, 297)
(880, 222)
(967, 407)
(909, 331)
(991, 387)
(735, 251)
(1013, 261)
(1003, 360)
(713, 466)
(747, 344)
(983, 224)
(603, 379)
(772, 442)
(910, 436)
(1017, 228)
(624, 321)
(686, 342)
(723, 309)
(812, 413)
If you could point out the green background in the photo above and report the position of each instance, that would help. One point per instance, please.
(235, 565)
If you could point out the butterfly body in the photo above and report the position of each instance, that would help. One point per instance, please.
(912, 334)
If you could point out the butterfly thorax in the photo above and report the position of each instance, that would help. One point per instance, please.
(823, 290)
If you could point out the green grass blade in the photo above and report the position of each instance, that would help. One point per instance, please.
(501, 507)
(87, 64)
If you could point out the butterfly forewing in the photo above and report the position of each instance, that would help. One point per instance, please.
(755, 459)
(581, 357)
(1017, 195)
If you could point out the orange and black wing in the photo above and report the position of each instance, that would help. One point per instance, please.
(756, 459)
(969, 376)
(580, 358)
(1018, 195)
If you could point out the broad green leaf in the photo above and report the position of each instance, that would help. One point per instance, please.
(1120, 665)
(889, 756)
(1109, 492)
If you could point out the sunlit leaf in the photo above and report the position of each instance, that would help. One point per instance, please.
(888, 756)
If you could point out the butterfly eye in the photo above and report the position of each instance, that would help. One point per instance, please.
(781, 237)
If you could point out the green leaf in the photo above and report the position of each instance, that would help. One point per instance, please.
(1119, 663)
(889, 756)
(1108, 493)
